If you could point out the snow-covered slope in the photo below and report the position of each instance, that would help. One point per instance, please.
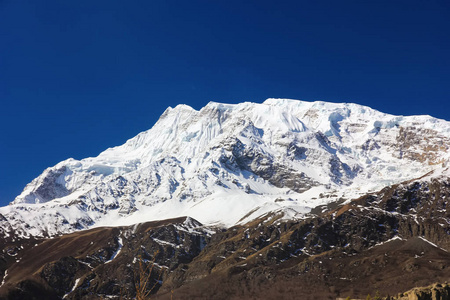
(229, 163)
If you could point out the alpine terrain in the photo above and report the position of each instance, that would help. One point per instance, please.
(278, 200)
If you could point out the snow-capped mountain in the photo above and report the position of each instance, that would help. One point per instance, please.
(228, 164)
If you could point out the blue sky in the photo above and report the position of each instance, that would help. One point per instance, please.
(77, 77)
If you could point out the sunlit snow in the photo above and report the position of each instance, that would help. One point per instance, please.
(227, 163)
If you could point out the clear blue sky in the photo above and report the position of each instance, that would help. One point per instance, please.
(77, 77)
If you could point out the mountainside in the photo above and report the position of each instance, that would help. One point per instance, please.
(280, 200)
(98, 263)
(230, 164)
(386, 243)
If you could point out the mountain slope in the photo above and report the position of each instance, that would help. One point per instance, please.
(99, 262)
(229, 164)
(388, 242)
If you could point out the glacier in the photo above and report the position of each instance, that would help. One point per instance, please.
(230, 163)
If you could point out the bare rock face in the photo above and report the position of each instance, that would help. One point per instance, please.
(59, 275)
(433, 292)
(419, 144)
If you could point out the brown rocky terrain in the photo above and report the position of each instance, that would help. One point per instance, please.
(101, 262)
(435, 291)
(383, 243)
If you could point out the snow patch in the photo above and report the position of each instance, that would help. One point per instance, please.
(4, 278)
(119, 248)
(387, 241)
(432, 244)
(73, 288)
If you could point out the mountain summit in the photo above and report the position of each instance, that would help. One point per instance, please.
(228, 164)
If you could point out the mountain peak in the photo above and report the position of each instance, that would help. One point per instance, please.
(230, 163)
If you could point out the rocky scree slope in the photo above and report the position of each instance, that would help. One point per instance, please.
(248, 159)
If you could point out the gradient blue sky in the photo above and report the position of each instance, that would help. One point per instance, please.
(77, 77)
